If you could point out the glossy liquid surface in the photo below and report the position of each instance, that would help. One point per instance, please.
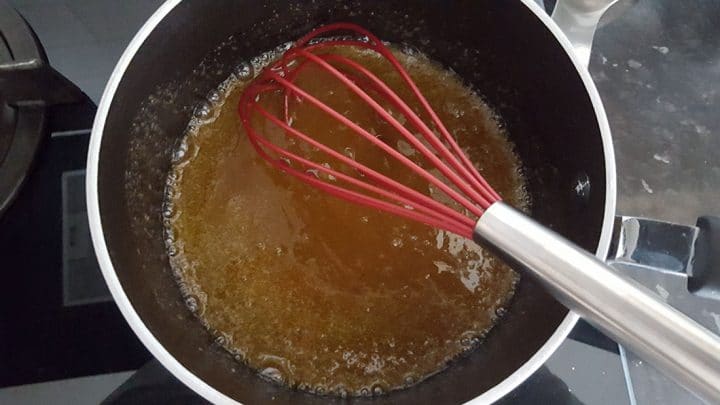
(320, 294)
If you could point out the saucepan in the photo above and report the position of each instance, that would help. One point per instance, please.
(512, 53)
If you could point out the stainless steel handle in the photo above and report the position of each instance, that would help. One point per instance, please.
(620, 307)
(578, 19)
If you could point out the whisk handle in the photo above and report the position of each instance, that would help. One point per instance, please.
(623, 309)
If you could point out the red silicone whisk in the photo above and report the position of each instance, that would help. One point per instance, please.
(621, 308)
(471, 191)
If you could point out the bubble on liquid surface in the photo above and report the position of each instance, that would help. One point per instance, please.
(340, 391)
(222, 340)
(272, 374)
(397, 242)
(169, 191)
(238, 356)
(213, 96)
(469, 340)
(244, 71)
(261, 61)
(168, 211)
(283, 48)
(329, 176)
(202, 111)
(180, 153)
(192, 302)
(409, 380)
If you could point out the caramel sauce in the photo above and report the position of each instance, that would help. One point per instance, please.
(315, 292)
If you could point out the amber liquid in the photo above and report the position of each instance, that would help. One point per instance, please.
(320, 294)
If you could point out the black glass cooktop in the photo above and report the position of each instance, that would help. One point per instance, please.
(57, 319)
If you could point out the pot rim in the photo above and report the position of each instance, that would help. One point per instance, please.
(207, 391)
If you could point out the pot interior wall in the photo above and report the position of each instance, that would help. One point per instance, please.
(500, 48)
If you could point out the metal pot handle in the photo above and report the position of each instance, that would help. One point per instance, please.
(27, 79)
(681, 265)
(578, 19)
(27, 86)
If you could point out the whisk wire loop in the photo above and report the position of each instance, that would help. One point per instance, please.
(460, 180)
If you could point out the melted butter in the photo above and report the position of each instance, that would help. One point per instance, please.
(320, 294)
